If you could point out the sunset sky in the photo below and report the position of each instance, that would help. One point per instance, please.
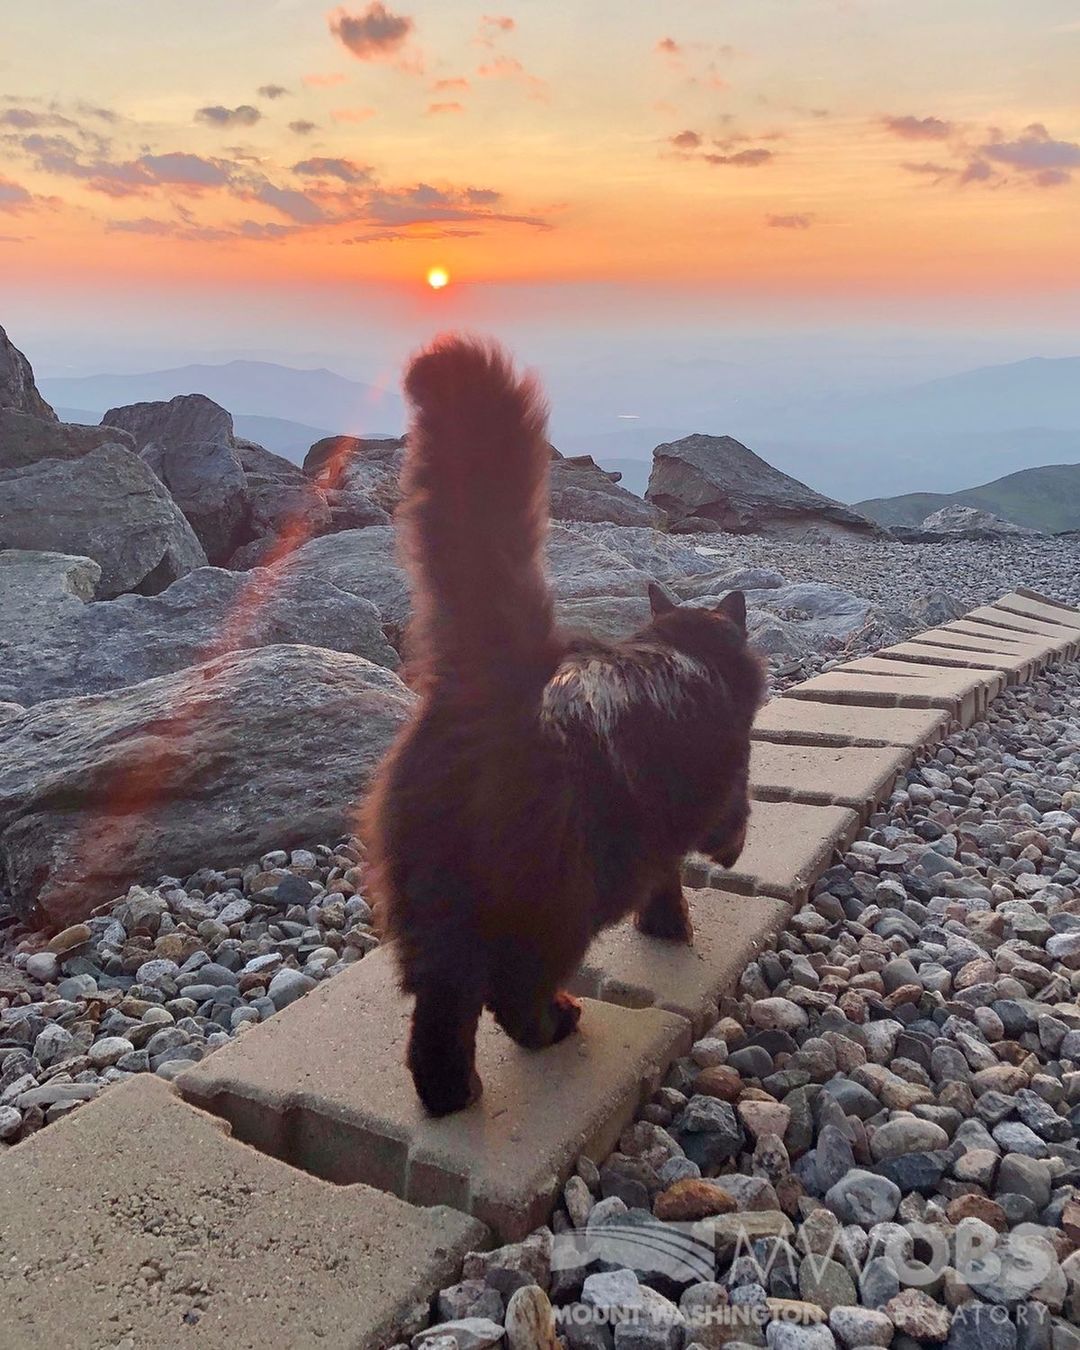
(253, 163)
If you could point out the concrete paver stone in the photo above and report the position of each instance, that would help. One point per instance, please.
(323, 1085)
(855, 776)
(794, 721)
(623, 966)
(138, 1221)
(788, 846)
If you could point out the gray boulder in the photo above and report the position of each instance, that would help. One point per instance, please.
(968, 522)
(188, 442)
(54, 644)
(17, 387)
(610, 617)
(108, 506)
(186, 419)
(207, 482)
(801, 617)
(25, 439)
(360, 562)
(663, 557)
(365, 563)
(581, 567)
(581, 490)
(715, 483)
(262, 466)
(223, 761)
(365, 465)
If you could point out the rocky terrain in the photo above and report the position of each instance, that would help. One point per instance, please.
(199, 655)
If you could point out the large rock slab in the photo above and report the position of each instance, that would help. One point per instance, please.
(17, 387)
(25, 439)
(581, 490)
(184, 420)
(671, 559)
(207, 482)
(366, 465)
(365, 562)
(172, 1234)
(53, 644)
(324, 1086)
(968, 522)
(108, 506)
(714, 481)
(214, 764)
(361, 562)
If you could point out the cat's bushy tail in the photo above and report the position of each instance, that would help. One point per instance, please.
(474, 517)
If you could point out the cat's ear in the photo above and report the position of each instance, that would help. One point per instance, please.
(733, 607)
(659, 600)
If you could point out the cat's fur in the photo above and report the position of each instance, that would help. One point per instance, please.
(546, 787)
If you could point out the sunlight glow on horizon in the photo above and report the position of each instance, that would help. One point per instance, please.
(437, 278)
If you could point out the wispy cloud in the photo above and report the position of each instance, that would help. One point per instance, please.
(374, 34)
(219, 116)
(440, 109)
(352, 115)
(343, 169)
(302, 127)
(792, 222)
(912, 128)
(272, 91)
(328, 81)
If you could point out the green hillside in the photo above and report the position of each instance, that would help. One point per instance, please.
(1045, 499)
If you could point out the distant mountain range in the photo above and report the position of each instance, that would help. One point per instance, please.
(936, 436)
(310, 398)
(1046, 498)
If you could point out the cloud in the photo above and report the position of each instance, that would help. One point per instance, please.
(686, 140)
(272, 91)
(216, 115)
(450, 85)
(344, 169)
(746, 159)
(372, 35)
(1034, 150)
(297, 206)
(191, 170)
(317, 81)
(927, 168)
(14, 198)
(29, 119)
(667, 46)
(93, 110)
(351, 115)
(793, 222)
(440, 109)
(911, 128)
(395, 236)
(425, 204)
(213, 234)
(491, 27)
(502, 67)
(301, 127)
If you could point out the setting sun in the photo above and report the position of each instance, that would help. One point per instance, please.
(437, 278)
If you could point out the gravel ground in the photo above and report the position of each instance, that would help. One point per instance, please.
(892, 574)
(878, 1142)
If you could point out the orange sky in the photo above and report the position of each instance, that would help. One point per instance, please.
(825, 147)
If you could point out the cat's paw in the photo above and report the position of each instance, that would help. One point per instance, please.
(667, 923)
(566, 1014)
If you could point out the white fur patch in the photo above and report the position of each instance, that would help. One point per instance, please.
(596, 693)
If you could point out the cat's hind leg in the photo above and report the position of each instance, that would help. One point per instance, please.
(664, 913)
